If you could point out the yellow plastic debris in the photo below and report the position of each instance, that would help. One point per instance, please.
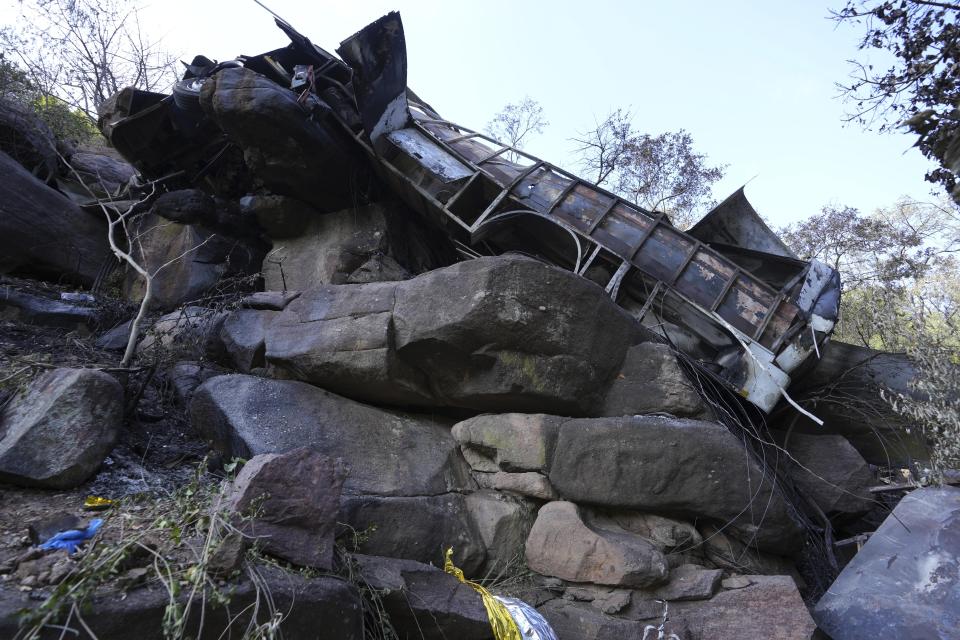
(96, 503)
(504, 628)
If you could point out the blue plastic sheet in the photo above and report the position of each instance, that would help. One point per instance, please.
(72, 538)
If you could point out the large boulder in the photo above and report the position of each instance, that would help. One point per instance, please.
(27, 139)
(503, 522)
(306, 605)
(672, 466)
(288, 503)
(767, 607)
(295, 149)
(565, 545)
(509, 442)
(388, 453)
(417, 528)
(187, 260)
(829, 471)
(189, 332)
(244, 337)
(770, 608)
(423, 601)
(33, 305)
(844, 389)
(101, 172)
(651, 381)
(341, 338)
(491, 334)
(58, 432)
(373, 243)
(905, 581)
(582, 621)
(511, 334)
(43, 233)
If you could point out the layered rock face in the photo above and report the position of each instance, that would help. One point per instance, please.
(382, 399)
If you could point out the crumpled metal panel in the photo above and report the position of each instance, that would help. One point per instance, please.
(905, 581)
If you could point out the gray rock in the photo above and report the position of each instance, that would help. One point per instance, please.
(288, 503)
(726, 552)
(104, 174)
(188, 333)
(505, 333)
(905, 581)
(417, 528)
(828, 470)
(278, 216)
(115, 339)
(196, 260)
(669, 535)
(687, 582)
(503, 522)
(530, 483)
(244, 337)
(58, 432)
(511, 334)
(27, 139)
(673, 466)
(331, 248)
(842, 390)
(389, 454)
(651, 381)
(341, 338)
(295, 150)
(770, 608)
(607, 599)
(185, 376)
(578, 621)
(269, 300)
(48, 310)
(736, 582)
(324, 603)
(45, 234)
(423, 601)
(563, 544)
(510, 441)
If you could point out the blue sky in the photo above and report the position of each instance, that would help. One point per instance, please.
(753, 82)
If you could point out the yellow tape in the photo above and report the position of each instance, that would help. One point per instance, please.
(96, 503)
(504, 628)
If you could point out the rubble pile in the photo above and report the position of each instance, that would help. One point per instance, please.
(591, 444)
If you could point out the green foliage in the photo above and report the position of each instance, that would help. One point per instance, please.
(887, 260)
(919, 89)
(64, 122)
(174, 538)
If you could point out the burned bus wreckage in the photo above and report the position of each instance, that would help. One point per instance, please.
(728, 293)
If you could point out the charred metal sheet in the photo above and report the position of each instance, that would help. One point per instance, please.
(729, 293)
(735, 222)
(378, 56)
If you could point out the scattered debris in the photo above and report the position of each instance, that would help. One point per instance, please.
(72, 538)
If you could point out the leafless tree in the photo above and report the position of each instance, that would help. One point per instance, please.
(516, 121)
(659, 173)
(84, 51)
(602, 149)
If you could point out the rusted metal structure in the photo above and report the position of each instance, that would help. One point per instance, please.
(728, 293)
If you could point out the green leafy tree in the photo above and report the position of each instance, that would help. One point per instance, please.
(920, 89)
